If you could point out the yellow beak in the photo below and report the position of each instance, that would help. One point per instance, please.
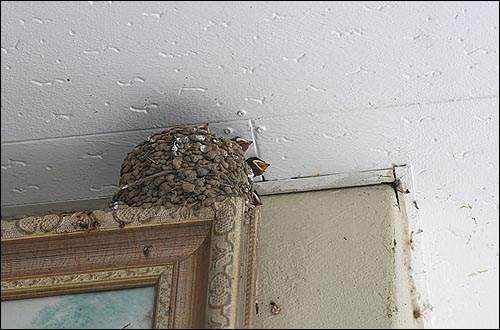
(261, 165)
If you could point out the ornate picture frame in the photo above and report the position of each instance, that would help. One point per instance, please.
(202, 261)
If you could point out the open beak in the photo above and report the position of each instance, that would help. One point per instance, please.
(261, 165)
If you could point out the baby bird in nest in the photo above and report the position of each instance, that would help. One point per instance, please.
(204, 127)
(257, 165)
(243, 143)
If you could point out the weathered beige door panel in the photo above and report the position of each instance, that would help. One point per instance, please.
(333, 259)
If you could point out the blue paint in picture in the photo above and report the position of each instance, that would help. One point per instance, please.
(117, 309)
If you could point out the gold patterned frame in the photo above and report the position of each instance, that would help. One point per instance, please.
(159, 276)
(222, 237)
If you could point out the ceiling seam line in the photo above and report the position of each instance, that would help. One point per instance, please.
(13, 142)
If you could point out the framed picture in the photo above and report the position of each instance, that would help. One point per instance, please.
(131, 268)
(137, 301)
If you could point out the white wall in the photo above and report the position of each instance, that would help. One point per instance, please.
(322, 87)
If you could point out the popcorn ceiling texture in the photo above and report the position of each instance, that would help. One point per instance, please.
(321, 87)
(183, 165)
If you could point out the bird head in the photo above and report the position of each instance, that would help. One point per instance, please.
(243, 143)
(204, 127)
(257, 165)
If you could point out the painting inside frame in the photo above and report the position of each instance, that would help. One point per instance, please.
(126, 298)
(113, 309)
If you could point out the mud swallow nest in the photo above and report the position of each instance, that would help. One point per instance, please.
(183, 165)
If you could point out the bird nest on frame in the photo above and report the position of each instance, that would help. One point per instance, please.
(188, 166)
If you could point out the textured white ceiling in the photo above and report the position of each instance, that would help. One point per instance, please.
(73, 68)
(323, 87)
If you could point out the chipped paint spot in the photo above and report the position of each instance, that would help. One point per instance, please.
(382, 7)
(337, 136)
(47, 82)
(477, 50)
(255, 99)
(384, 151)
(433, 73)
(419, 120)
(249, 69)
(283, 139)
(313, 88)
(418, 36)
(462, 155)
(42, 20)
(360, 70)
(145, 109)
(159, 14)
(487, 117)
(461, 13)
(347, 33)
(194, 89)
(177, 55)
(478, 272)
(89, 155)
(214, 24)
(101, 50)
(276, 16)
(105, 187)
(131, 82)
(62, 115)
(7, 50)
(296, 59)
(12, 162)
(21, 190)
(423, 171)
